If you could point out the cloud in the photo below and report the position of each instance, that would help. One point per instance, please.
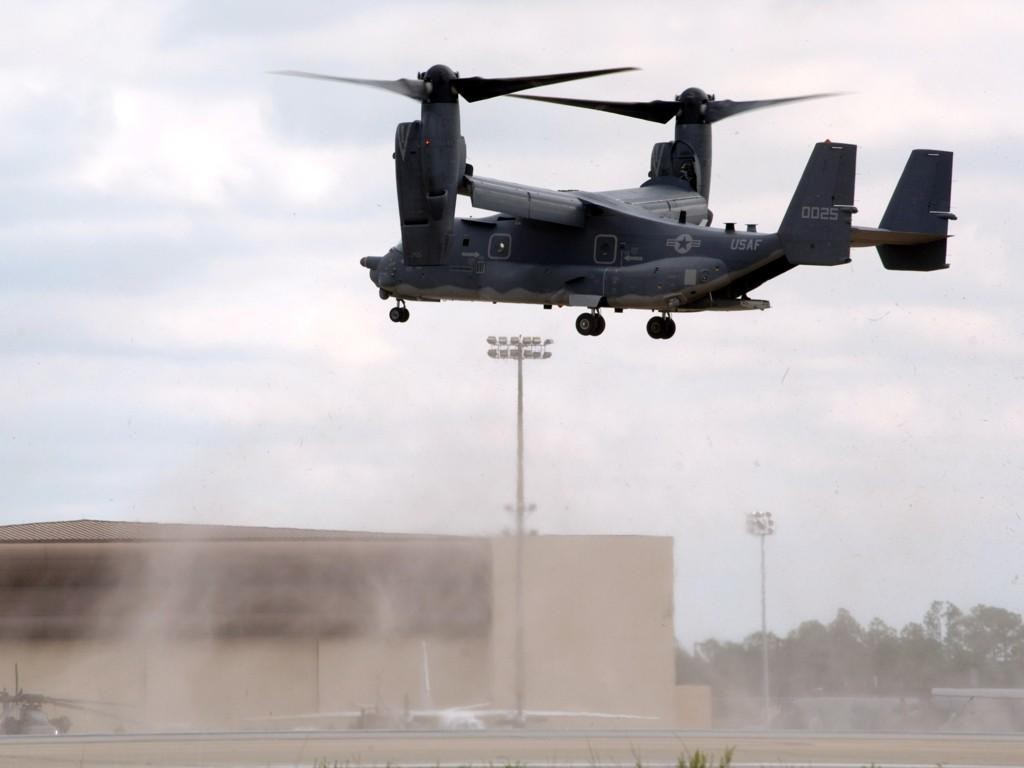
(171, 148)
(879, 410)
(186, 332)
(958, 330)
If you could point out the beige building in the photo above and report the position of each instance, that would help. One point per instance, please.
(218, 626)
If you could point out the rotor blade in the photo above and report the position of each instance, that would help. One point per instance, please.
(414, 89)
(719, 110)
(663, 111)
(63, 702)
(478, 88)
(81, 708)
(655, 111)
(119, 717)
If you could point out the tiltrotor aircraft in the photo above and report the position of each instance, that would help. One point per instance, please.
(649, 248)
(470, 717)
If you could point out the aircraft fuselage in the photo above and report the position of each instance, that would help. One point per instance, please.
(615, 261)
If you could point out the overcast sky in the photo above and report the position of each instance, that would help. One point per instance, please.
(186, 334)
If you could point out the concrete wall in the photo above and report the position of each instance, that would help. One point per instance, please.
(598, 625)
(693, 707)
(244, 682)
(388, 672)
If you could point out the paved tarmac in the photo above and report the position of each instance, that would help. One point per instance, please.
(532, 749)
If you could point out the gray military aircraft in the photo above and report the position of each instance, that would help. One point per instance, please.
(429, 716)
(22, 713)
(651, 247)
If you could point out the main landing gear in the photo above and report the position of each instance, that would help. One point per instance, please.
(590, 324)
(399, 314)
(661, 327)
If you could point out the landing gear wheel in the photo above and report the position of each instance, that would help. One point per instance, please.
(670, 328)
(598, 326)
(405, 315)
(398, 314)
(585, 324)
(656, 327)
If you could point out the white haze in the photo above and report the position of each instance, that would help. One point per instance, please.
(186, 334)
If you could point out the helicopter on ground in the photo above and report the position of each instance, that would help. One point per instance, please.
(650, 247)
(22, 713)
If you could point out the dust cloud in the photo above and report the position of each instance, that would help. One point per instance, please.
(247, 626)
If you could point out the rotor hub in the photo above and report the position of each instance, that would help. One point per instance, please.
(440, 81)
(693, 105)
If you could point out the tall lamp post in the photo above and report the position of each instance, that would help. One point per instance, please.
(519, 348)
(760, 524)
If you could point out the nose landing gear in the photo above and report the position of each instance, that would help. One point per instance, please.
(661, 327)
(399, 314)
(590, 324)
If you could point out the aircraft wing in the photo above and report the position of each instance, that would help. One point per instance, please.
(550, 713)
(659, 201)
(594, 715)
(440, 711)
(525, 202)
(980, 693)
(665, 198)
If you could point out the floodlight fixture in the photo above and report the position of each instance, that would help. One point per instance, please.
(762, 525)
(519, 348)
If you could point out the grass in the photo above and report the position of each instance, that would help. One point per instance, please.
(700, 759)
(696, 759)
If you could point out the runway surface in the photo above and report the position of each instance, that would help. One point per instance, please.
(532, 749)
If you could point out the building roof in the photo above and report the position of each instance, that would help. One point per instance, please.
(123, 531)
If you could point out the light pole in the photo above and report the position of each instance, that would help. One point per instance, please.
(760, 524)
(519, 348)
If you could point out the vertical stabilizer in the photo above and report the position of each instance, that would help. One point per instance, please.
(920, 205)
(816, 228)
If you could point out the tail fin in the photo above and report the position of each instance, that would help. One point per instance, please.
(816, 227)
(912, 235)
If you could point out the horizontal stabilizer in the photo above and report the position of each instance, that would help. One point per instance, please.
(919, 207)
(864, 236)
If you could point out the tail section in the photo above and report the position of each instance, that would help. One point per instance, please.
(816, 227)
(913, 232)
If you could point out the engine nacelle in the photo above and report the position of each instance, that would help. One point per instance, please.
(677, 160)
(430, 161)
(687, 158)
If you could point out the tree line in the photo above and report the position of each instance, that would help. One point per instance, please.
(981, 647)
